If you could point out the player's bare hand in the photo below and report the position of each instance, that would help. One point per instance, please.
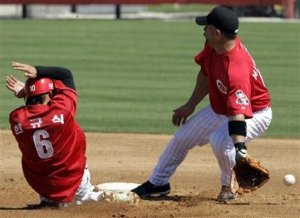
(29, 71)
(14, 85)
(181, 114)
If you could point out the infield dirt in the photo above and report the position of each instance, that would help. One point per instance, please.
(131, 158)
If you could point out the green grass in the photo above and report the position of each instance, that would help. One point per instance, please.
(130, 74)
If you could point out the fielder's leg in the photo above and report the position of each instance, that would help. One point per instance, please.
(194, 132)
(223, 147)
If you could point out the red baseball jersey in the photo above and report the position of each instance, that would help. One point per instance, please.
(235, 84)
(52, 144)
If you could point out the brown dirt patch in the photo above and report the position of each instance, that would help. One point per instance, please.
(131, 158)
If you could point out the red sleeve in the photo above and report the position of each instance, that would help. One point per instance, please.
(65, 97)
(238, 101)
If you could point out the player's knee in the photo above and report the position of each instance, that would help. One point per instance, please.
(217, 142)
(222, 145)
(213, 140)
(180, 139)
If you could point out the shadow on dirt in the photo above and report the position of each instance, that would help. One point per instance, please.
(18, 208)
(179, 198)
(30, 207)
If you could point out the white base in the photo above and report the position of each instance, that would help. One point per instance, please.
(116, 186)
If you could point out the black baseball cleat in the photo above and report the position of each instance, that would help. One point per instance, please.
(226, 195)
(147, 189)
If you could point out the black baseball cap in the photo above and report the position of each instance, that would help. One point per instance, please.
(222, 18)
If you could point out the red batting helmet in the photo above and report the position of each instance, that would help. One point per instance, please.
(38, 86)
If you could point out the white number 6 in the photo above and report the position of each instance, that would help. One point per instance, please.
(43, 147)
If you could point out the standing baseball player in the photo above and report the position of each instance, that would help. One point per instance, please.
(51, 141)
(239, 109)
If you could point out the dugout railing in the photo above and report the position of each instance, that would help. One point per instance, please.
(289, 5)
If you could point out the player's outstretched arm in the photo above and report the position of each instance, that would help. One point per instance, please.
(58, 73)
(200, 91)
(15, 86)
(28, 70)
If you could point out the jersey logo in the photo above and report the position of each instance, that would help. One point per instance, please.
(241, 98)
(36, 123)
(221, 87)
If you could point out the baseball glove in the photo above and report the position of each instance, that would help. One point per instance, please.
(248, 175)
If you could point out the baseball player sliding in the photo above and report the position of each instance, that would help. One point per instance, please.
(239, 109)
(51, 141)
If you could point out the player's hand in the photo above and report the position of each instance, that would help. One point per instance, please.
(240, 156)
(29, 71)
(15, 85)
(181, 114)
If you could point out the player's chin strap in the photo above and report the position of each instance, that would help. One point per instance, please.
(236, 127)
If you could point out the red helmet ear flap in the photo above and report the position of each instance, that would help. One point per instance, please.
(38, 86)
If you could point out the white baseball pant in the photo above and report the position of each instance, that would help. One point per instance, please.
(204, 127)
(84, 193)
